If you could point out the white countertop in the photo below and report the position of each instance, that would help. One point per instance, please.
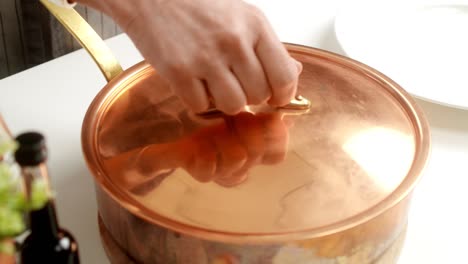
(53, 98)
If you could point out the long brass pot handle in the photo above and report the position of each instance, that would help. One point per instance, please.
(101, 54)
(87, 37)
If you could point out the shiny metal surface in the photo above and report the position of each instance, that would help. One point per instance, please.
(357, 151)
(87, 37)
(145, 242)
(117, 254)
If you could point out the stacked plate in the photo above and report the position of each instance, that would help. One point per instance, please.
(422, 45)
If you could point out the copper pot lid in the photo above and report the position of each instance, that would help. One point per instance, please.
(265, 172)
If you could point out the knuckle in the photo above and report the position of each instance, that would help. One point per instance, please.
(175, 69)
(257, 19)
(232, 39)
(202, 58)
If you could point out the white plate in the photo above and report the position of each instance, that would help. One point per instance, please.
(422, 45)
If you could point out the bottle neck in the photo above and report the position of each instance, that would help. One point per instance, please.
(33, 173)
(44, 223)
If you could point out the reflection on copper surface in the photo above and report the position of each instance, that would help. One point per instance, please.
(365, 149)
(222, 152)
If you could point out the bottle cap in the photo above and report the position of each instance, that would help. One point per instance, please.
(32, 149)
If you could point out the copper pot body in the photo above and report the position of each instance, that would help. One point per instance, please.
(129, 239)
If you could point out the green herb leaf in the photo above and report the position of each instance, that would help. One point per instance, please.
(7, 146)
(39, 194)
(11, 222)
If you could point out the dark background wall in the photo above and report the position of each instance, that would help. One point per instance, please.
(29, 35)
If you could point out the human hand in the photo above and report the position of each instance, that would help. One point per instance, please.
(223, 152)
(210, 51)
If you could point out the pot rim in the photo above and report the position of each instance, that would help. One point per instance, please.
(414, 112)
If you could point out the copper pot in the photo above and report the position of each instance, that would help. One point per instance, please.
(328, 184)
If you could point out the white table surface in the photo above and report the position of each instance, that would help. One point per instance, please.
(53, 98)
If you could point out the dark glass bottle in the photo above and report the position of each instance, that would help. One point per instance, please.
(46, 242)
